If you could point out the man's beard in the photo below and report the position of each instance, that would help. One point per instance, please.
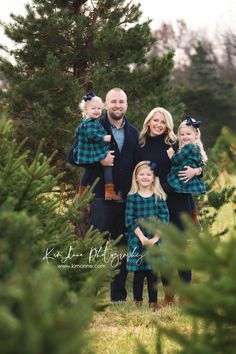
(116, 117)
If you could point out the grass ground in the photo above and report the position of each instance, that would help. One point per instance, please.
(119, 328)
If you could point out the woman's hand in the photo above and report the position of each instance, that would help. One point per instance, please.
(170, 152)
(188, 173)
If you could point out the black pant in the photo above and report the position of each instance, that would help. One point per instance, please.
(185, 276)
(179, 203)
(110, 216)
(138, 282)
(88, 172)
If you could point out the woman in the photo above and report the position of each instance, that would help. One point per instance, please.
(156, 137)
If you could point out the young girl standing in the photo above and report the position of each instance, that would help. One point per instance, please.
(191, 153)
(145, 199)
(93, 144)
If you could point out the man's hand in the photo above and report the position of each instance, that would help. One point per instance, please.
(187, 174)
(108, 160)
(107, 138)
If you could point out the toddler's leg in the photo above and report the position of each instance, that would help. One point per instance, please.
(110, 193)
(84, 181)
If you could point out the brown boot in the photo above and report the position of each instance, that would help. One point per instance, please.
(110, 193)
(81, 191)
(138, 303)
(154, 306)
(195, 216)
(168, 300)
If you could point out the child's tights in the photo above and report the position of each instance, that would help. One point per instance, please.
(138, 282)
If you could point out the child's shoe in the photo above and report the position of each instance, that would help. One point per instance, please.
(169, 300)
(110, 193)
(154, 306)
(138, 303)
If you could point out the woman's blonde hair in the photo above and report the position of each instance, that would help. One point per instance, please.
(155, 187)
(170, 135)
(198, 140)
(84, 104)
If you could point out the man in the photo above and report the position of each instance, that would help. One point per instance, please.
(110, 215)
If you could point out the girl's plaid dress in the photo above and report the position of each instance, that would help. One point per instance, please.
(91, 145)
(138, 208)
(189, 155)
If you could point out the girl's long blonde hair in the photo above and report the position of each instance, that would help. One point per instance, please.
(198, 141)
(156, 187)
(170, 135)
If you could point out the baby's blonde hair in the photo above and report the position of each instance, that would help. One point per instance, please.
(84, 104)
(170, 135)
(155, 187)
(198, 140)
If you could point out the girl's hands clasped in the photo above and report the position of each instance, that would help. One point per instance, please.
(155, 239)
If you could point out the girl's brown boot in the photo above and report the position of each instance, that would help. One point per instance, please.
(110, 193)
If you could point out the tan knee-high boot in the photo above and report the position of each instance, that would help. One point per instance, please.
(110, 193)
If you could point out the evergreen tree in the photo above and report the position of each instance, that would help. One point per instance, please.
(207, 97)
(39, 314)
(68, 47)
(210, 302)
(222, 156)
(202, 67)
(218, 177)
(31, 221)
(46, 302)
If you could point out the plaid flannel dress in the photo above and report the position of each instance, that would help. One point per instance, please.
(138, 208)
(91, 145)
(189, 155)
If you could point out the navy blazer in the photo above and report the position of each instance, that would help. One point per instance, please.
(124, 161)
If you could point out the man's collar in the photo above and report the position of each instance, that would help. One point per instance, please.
(117, 127)
(124, 120)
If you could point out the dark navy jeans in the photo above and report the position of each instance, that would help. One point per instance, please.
(110, 216)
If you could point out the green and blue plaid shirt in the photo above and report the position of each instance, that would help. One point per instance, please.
(138, 208)
(91, 145)
(189, 155)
